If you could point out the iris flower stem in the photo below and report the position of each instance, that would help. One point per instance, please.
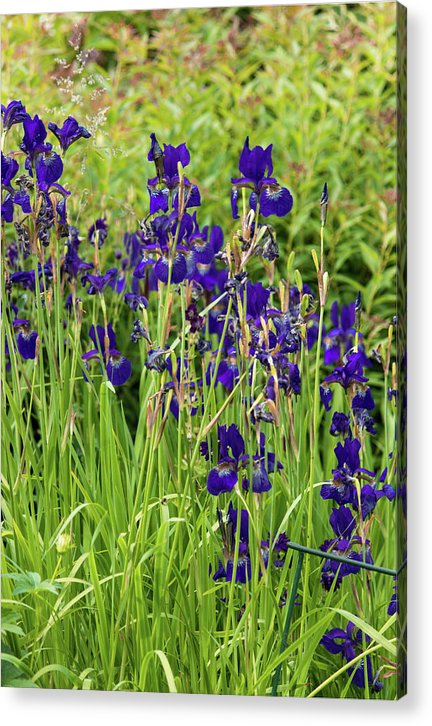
(188, 483)
(314, 436)
(284, 640)
(386, 431)
(314, 433)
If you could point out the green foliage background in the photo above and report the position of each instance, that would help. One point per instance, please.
(318, 82)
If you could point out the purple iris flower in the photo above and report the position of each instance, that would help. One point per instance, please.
(157, 360)
(34, 137)
(394, 601)
(12, 255)
(135, 301)
(361, 404)
(228, 530)
(294, 377)
(341, 334)
(26, 338)
(340, 424)
(178, 272)
(72, 262)
(7, 208)
(350, 372)
(133, 245)
(49, 168)
(70, 132)
(370, 494)
(26, 278)
(364, 421)
(158, 243)
(19, 198)
(263, 464)
(257, 297)
(287, 337)
(256, 166)
(13, 113)
(224, 476)
(260, 478)
(166, 162)
(9, 168)
(342, 488)
(280, 546)
(345, 544)
(192, 317)
(118, 367)
(99, 282)
(349, 643)
(206, 244)
(227, 374)
(98, 231)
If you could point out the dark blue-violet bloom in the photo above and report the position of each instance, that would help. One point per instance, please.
(350, 372)
(260, 478)
(340, 424)
(256, 166)
(24, 278)
(263, 464)
(34, 138)
(118, 367)
(370, 494)
(394, 601)
(167, 169)
(224, 476)
(279, 546)
(228, 530)
(9, 168)
(135, 301)
(98, 231)
(18, 198)
(227, 373)
(157, 359)
(178, 271)
(7, 208)
(326, 396)
(158, 244)
(364, 421)
(294, 377)
(257, 297)
(13, 113)
(349, 643)
(363, 399)
(333, 572)
(342, 522)
(70, 132)
(133, 246)
(72, 264)
(49, 168)
(344, 544)
(288, 337)
(99, 282)
(62, 222)
(339, 338)
(206, 245)
(343, 488)
(12, 255)
(26, 338)
(22, 199)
